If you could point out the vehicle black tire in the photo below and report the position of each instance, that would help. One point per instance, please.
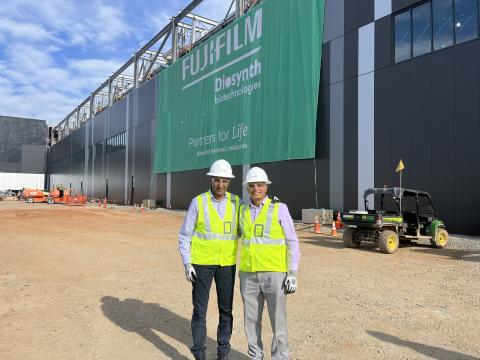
(50, 201)
(348, 238)
(388, 241)
(440, 239)
(30, 200)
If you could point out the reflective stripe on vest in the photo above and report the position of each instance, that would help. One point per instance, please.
(214, 241)
(263, 241)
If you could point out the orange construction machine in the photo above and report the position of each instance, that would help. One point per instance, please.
(34, 195)
(58, 195)
(61, 195)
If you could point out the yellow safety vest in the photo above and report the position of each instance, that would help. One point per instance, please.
(263, 241)
(214, 241)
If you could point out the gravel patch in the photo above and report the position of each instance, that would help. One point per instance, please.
(463, 242)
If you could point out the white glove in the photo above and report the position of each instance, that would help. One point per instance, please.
(190, 273)
(291, 283)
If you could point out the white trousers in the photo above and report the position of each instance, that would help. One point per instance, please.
(256, 288)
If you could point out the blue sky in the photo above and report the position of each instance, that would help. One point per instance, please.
(54, 53)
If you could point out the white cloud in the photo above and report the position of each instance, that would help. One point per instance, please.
(33, 85)
(94, 65)
(214, 9)
(34, 104)
(54, 53)
(79, 23)
(24, 31)
(109, 23)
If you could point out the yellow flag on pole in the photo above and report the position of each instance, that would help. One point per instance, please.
(400, 166)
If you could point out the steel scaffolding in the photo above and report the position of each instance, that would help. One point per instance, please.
(185, 31)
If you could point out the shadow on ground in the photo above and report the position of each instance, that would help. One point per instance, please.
(466, 255)
(337, 243)
(145, 318)
(427, 350)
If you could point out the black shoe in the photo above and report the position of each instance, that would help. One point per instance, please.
(223, 357)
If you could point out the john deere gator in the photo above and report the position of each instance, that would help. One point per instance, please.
(395, 215)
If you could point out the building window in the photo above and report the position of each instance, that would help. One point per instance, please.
(421, 30)
(116, 143)
(466, 20)
(440, 23)
(403, 38)
(442, 11)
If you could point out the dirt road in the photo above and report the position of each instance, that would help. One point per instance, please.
(91, 283)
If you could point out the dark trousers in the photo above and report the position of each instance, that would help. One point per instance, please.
(224, 281)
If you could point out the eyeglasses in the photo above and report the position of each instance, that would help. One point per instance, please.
(259, 185)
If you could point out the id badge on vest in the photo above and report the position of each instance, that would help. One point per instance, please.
(227, 227)
(258, 230)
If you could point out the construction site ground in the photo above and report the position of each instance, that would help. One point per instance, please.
(94, 283)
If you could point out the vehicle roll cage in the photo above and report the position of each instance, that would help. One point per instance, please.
(397, 193)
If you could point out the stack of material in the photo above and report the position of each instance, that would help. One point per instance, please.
(8, 198)
(325, 216)
(150, 203)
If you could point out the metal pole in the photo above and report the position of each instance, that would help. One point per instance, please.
(401, 191)
(78, 118)
(135, 70)
(239, 8)
(110, 92)
(174, 40)
(194, 30)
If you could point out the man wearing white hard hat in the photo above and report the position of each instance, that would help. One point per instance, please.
(268, 265)
(208, 246)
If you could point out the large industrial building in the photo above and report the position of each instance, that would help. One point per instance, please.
(23, 152)
(391, 80)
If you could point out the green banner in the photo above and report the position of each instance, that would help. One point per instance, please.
(247, 94)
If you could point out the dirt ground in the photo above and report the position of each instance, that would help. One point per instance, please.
(94, 283)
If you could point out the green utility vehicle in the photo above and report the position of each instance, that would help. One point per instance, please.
(398, 215)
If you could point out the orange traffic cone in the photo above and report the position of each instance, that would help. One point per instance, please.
(338, 222)
(99, 203)
(334, 230)
(316, 228)
(142, 209)
(105, 203)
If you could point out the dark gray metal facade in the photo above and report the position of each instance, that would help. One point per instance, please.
(23, 145)
(371, 113)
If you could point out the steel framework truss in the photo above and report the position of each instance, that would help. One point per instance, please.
(184, 31)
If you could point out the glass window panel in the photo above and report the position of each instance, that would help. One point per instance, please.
(421, 30)
(442, 23)
(425, 206)
(402, 37)
(466, 20)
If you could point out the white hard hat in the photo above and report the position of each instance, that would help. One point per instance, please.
(257, 175)
(221, 168)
